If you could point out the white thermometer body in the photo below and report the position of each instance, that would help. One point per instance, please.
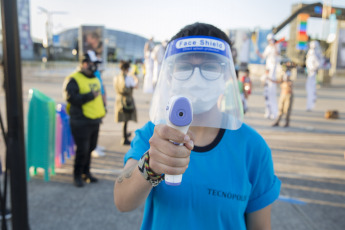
(179, 116)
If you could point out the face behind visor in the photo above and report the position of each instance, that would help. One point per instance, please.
(201, 69)
(202, 76)
(209, 66)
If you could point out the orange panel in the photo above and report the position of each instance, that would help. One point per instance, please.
(303, 17)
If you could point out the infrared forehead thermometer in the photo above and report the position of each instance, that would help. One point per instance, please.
(179, 113)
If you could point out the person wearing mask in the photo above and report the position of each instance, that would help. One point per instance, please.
(124, 103)
(99, 151)
(86, 110)
(271, 54)
(313, 63)
(228, 179)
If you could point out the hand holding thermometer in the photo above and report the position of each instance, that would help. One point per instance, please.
(179, 116)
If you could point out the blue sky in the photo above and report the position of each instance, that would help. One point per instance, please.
(162, 18)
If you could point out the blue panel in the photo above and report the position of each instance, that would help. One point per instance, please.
(261, 44)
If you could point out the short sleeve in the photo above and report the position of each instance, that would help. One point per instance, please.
(266, 185)
(140, 143)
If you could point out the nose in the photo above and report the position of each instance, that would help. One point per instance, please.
(196, 81)
(196, 74)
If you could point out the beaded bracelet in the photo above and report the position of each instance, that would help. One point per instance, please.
(147, 172)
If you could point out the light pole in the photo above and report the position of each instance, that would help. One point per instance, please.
(326, 11)
(15, 143)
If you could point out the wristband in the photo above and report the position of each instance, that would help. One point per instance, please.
(147, 172)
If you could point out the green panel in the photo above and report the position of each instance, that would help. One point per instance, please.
(40, 132)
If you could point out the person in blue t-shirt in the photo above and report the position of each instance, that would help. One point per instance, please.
(104, 95)
(99, 151)
(228, 178)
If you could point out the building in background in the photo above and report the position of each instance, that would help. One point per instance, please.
(118, 45)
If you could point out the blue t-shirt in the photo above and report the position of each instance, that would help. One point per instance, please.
(97, 73)
(231, 177)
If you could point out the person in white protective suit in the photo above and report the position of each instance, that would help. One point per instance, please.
(148, 48)
(157, 56)
(271, 54)
(265, 79)
(244, 52)
(313, 62)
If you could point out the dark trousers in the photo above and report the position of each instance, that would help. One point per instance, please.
(124, 130)
(85, 138)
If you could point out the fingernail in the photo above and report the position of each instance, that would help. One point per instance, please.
(191, 143)
(186, 138)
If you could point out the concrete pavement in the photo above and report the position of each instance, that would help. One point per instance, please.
(308, 158)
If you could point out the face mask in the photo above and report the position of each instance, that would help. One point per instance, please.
(92, 68)
(203, 93)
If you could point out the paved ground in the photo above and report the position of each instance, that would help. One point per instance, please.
(308, 158)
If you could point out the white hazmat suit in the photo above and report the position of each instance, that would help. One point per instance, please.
(157, 56)
(148, 86)
(271, 54)
(313, 63)
(265, 79)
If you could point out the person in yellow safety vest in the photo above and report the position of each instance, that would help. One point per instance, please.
(86, 110)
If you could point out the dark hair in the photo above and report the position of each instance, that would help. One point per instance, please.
(201, 29)
(124, 65)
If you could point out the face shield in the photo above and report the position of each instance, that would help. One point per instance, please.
(199, 68)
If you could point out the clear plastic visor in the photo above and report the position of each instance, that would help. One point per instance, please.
(208, 80)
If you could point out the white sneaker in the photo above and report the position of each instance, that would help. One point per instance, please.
(101, 148)
(97, 153)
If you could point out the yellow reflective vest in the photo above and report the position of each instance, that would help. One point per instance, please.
(93, 109)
